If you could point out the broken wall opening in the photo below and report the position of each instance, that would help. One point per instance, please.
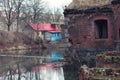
(101, 29)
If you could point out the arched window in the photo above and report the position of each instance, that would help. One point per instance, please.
(101, 28)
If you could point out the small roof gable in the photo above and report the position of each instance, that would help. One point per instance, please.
(85, 4)
(43, 27)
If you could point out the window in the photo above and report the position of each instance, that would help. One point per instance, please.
(101, 29)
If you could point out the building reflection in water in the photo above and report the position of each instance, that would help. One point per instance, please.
(38, 66)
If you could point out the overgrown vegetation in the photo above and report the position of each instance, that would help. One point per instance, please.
(14, 39)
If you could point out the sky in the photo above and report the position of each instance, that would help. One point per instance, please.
(57, 3)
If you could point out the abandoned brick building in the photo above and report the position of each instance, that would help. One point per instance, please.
(93, 23)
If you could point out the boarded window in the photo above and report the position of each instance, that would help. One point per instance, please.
(101, 29)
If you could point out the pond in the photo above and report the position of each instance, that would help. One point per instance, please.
(48, 64)
(32, 65)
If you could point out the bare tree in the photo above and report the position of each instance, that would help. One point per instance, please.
(37, 10)
(18, 5)
(33, 9)
(52, 16)
(12, 10)
(47, 17)
(9, 9)
(57, 15)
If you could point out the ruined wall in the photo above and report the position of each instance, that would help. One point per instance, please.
(116, 9)
(82, 30)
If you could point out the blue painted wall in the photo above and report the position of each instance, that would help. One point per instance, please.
(56, 57)
(56, 36)
(53, 36)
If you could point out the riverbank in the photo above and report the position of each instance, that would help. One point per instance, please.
(16, 41)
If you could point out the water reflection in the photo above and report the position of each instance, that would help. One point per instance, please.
(32, 65)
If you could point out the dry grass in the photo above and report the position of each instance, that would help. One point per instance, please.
(85, 4)
(9, 39)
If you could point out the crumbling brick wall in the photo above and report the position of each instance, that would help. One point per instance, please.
(116, 9)
(82, 30)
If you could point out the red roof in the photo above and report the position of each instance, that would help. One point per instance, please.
(43, 27)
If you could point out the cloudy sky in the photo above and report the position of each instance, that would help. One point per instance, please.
(57, 3)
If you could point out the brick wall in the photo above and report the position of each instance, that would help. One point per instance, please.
(116, 9)
(83, 31)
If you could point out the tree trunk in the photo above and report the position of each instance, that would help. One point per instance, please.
(8, 27)
(17, 25)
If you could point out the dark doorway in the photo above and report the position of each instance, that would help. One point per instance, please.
(101, 29)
